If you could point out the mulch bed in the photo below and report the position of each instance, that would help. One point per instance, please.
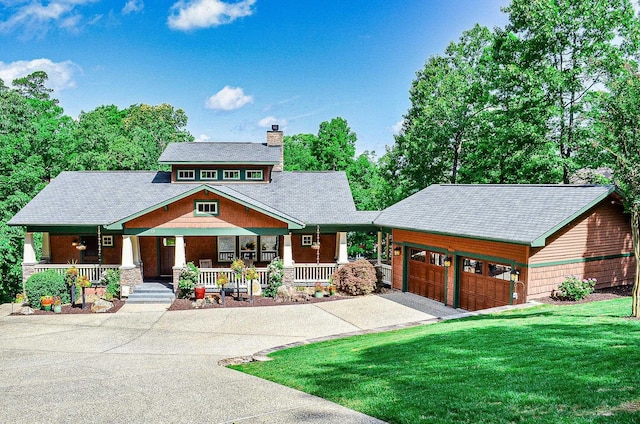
(600, 294)
(75, 309)
(232, 302)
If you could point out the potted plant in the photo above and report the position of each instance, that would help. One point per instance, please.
(188, 279)
(332, 288)
(319, 290)
(253, 278)
(46, 302)
(57, 305)
(238, 268)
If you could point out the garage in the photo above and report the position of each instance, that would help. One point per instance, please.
(483, 285)
(426, 274)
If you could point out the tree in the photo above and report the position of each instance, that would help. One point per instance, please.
(572, 47)
(297, 153)
(619, 135)
(335, 145)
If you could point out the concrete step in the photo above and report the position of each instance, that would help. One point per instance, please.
(151, 293)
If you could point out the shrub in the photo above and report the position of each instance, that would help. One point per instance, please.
(111, 278)
(276, 277)
(47, 283)
(355, 278)
(188, 279)
(574, 288)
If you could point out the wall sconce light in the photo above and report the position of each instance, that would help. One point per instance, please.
(447, 261)
(397, 250)
(74, 243)
(514, 275)
(81, 246)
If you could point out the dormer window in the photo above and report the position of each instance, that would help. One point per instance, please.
(254, 174)
(231, 174)
(208, 174)
(186, 175)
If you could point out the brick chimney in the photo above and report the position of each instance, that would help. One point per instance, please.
(275, 138)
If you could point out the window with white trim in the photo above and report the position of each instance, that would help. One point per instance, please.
(254, 174)
(248, 247)
(231, 174)
(268, 248)
(208, 174)
(186, 174)
(307, 239)
(226, 248)
(206, 208)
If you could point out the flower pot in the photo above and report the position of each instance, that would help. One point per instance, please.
(200, 292)
(318, 294)
(57, 309)
(47, 307)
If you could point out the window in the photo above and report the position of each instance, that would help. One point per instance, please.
(207, 208)
(471, 265)
(208, 174)
(307, 239)
(436, 259)
(268, 248)
(226, 248)
(254, 174)
(248, 247)
(417, 255)
(186, 174)
(499, 271)
(231, 175)
(107, 241)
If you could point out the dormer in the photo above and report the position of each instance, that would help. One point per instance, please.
(225, 162)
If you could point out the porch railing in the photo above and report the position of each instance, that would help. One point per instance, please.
(386, 273)
(92, 271)
(312, 273)
(209, 277)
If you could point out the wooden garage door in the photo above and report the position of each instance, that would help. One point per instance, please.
(426, 274)
(483, 285)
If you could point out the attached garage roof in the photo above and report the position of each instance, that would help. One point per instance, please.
(521, 214)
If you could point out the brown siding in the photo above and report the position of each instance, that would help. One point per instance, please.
(305, 254)
(201, 248)
(113, 255)
(181, 215)
(603, 231)
(62, 251)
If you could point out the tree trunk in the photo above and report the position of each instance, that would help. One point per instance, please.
(635, 294)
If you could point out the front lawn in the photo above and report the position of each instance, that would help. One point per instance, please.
(551, 364)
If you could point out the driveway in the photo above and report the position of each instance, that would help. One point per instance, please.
(144, 364)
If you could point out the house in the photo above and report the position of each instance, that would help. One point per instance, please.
(480, 246)
(219, 201)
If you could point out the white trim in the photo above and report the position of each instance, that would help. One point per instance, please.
(260, 178)
(235, 171)
(182, 177)
(306, 239)
(107, 241)
(209, 208)
(213, 172)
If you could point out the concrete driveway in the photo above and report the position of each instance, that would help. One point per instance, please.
(144, 364)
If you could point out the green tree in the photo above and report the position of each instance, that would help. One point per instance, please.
(297, 153)
(572, 47)
(619, 136)
(335, 145)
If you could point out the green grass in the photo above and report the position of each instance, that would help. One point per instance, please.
(547, 364)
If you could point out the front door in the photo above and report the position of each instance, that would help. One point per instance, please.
(167, 257)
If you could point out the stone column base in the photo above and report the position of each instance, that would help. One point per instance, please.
(176, 278)
(131, 277)
(289, 275)
(28, 269)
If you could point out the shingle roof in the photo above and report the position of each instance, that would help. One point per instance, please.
(522, 214)
(220, 152)
(102, 198)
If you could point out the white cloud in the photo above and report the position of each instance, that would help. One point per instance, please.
(271, 120)
(203, 138)
(229, 98)
(35, 18)
(133, 6)
(60, 74)
(397, 127)
(193, 14)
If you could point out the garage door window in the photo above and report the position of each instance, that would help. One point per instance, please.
(436, 259)
(418, 255)
(500, 271)
(472, 266)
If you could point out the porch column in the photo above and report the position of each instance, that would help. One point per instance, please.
(379, 262)
(127, 252)
(46, 248)
(135, 244)
(180, 256)
(28, 253)
(287, 252)
(343, 256)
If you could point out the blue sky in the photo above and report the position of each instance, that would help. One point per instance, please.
(236, 67)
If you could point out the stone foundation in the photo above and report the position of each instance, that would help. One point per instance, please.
(176, 279)
(289, 276)
(27, 271)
